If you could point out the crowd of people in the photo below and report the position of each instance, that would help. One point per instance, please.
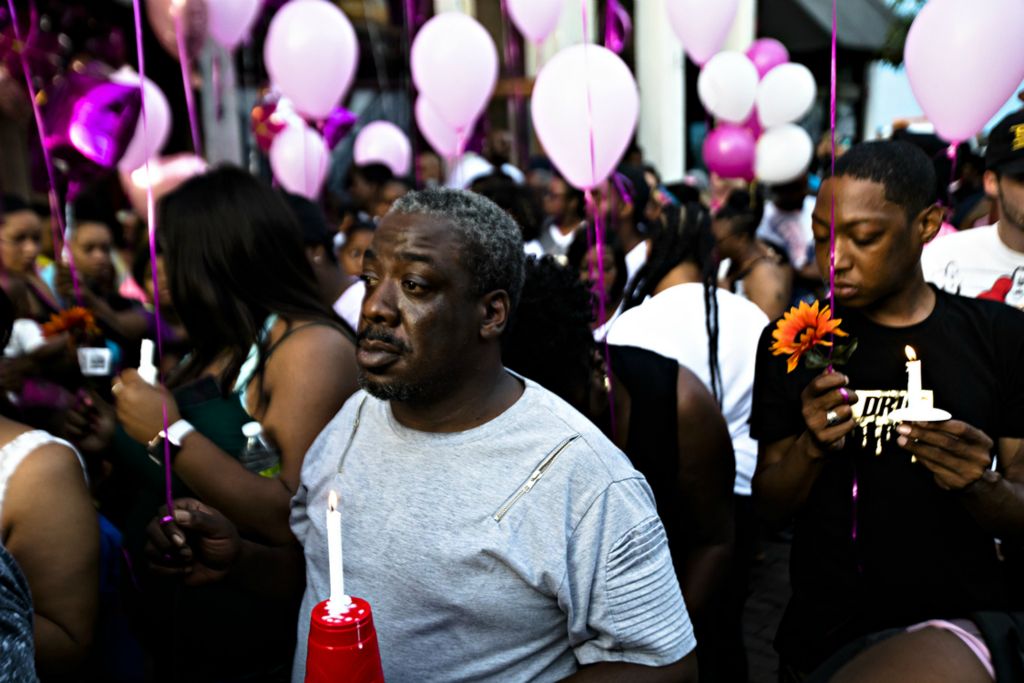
(555, 420)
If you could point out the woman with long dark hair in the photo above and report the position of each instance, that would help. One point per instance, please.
(588, 260)
(683, 354)
(265, 349)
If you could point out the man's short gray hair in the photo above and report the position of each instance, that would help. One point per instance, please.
(492, 243)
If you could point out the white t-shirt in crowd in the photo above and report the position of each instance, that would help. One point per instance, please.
(635, 259)
(349, 305)
(975, 263)
(790, 231)
(472, 167)
(671, 324)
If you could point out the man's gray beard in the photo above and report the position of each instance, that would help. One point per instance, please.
(402, 392)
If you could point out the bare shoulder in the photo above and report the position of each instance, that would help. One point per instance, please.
(311, 344)
(691, 394)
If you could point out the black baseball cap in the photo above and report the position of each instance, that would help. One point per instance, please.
(1005, 153)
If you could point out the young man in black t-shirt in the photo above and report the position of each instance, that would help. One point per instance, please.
(894, 523)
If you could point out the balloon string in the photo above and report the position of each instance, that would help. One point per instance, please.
(511, 50)
(411, 21)
(193, 119)
(595, 241)
(832, 194)
(154, 270)
(57, 224)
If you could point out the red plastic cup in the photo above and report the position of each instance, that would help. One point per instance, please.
(343, 646)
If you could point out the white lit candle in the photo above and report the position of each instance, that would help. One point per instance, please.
(913, 378)
(338, 599)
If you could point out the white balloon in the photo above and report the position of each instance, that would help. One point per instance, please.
(454, 64)
(300, 160)
(702, 25)
(441, 136)
(785, 94)
(382, 142)
(229, 21)
(535, 19)
(783, 154)
(585, 106)
(727, 86)
(311, 54)
(158, 122)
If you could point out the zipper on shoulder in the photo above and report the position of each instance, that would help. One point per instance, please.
(352, 436)
(534, 477)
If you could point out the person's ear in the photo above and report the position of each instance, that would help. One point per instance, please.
(930, 220)
(496, 308)
(991, 179)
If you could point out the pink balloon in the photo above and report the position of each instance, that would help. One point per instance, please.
(702, 25)
(442, 137)
(311, 53)
(158, 121)
(382, 142)
(948, 59)
(766, 54)
(729, 151)
(229, 21)
(166, 173)
(300, 159)
(535, 19)
(455, 66)
(581, 84)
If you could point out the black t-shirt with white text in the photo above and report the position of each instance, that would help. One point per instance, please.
(918, 553)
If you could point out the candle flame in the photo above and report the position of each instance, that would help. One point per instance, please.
(332, 501)
(911, 354)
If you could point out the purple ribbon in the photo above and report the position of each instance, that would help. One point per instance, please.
(151, 224)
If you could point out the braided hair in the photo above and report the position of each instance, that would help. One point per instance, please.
(684, 236)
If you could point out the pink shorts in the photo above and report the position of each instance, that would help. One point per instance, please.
(967, 632)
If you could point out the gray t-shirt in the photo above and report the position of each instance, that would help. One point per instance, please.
(472, 571)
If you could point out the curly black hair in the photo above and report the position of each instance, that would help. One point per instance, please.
(550, 340)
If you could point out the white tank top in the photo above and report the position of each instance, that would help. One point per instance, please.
(15, 452)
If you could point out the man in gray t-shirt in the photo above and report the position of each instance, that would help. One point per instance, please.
(470, 579)
(497, 534)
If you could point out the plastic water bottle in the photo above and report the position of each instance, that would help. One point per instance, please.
(259, 456)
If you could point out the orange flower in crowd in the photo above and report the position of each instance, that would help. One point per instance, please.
(803, 328)
(74, 320)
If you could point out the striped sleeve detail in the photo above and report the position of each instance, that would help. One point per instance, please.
(643, 594)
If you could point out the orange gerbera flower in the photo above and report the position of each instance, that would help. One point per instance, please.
(803, 328)
(76, 321)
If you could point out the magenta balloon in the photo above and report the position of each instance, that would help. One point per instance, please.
(382, 142)
(581, 85)
(337, 125)
(766, 54)
(229, 21)
(701, 25)
(753, 124)
(535, 19)
(300, 160)
(948, 56)
(89, 122)
(441, 137)
(455, 66)
(729, 151)
(311, 53)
